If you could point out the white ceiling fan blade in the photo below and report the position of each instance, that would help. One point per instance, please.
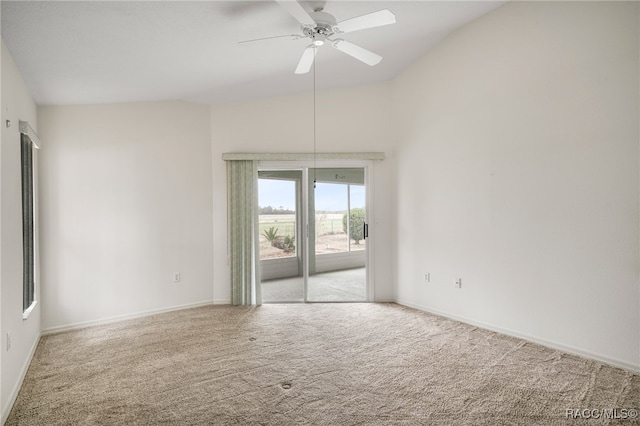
(293, 37)
(297, 11)
(357, 52)
(307, 60)
(370, 20)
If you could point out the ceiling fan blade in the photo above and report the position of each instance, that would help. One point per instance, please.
(306, 61)
(293, 37)
(297, 11)
(370, 20)
(357, 52)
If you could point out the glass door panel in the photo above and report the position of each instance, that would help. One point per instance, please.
(337, 244)
(280, 227)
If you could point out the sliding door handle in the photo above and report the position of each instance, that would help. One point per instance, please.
(365, 229)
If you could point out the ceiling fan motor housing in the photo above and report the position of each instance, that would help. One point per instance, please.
(323, 18)
(324, 27)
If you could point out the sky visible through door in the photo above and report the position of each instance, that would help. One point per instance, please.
(278, 194)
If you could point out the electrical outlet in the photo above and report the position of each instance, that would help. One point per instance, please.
(458, 282)
(176, 277)
(427, 277)
(8, 340)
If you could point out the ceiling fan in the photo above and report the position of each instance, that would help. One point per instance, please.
(322, 27)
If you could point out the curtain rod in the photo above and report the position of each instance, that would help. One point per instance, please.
(301, 156)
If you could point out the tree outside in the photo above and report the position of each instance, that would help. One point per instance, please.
(356, 224)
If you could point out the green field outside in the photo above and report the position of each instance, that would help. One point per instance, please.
(330, 236)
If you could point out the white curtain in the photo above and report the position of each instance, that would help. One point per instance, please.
(242, 212)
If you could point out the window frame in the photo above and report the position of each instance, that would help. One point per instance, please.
(29, 239)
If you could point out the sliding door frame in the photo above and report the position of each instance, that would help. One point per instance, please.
(305, 165)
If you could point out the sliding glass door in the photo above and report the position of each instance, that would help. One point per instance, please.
(281, 237)
(313, 234)
(337, 243)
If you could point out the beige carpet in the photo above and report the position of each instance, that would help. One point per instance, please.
(329, 364)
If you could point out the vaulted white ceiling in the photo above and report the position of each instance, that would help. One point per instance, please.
(81, 52)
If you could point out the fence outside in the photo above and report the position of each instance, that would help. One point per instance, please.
(288, 227)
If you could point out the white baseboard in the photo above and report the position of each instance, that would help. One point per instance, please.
(23, 372)
(84, 324)
(548, 343)
(221, 301)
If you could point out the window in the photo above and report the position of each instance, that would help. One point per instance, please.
(277, 204)
(339, 207)
(28, 240)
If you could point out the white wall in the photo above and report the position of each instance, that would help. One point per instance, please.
(518, 172)
(349, 120)
(126, 202)
(16, 105)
